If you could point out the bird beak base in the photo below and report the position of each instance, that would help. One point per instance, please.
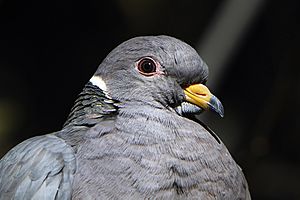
(200, 95)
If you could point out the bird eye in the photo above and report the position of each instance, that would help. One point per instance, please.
(147, 66)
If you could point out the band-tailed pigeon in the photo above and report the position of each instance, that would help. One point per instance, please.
(128, 135)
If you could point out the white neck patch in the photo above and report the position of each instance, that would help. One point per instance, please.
(98, 81)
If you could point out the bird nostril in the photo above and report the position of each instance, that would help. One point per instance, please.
(202, 94)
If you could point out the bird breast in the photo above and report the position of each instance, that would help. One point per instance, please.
(177, 157)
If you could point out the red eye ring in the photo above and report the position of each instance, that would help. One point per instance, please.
(147, 66)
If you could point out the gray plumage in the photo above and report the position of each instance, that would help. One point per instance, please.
(42, 167)
(131, 139)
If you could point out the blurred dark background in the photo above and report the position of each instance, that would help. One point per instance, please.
(50, 49)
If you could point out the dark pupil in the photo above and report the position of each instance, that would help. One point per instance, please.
(148, 67)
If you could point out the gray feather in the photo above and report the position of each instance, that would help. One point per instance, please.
(42, 166)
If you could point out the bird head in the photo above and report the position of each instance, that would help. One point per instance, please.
(160, 71)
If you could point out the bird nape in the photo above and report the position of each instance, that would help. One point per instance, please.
(129, 135)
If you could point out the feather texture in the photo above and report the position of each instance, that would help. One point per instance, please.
(42, 167)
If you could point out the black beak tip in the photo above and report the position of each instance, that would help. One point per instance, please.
(216, 106)
(221, 111)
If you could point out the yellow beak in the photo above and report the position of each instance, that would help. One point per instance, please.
(200, 95)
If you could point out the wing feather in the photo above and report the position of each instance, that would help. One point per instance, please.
(41, 167)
